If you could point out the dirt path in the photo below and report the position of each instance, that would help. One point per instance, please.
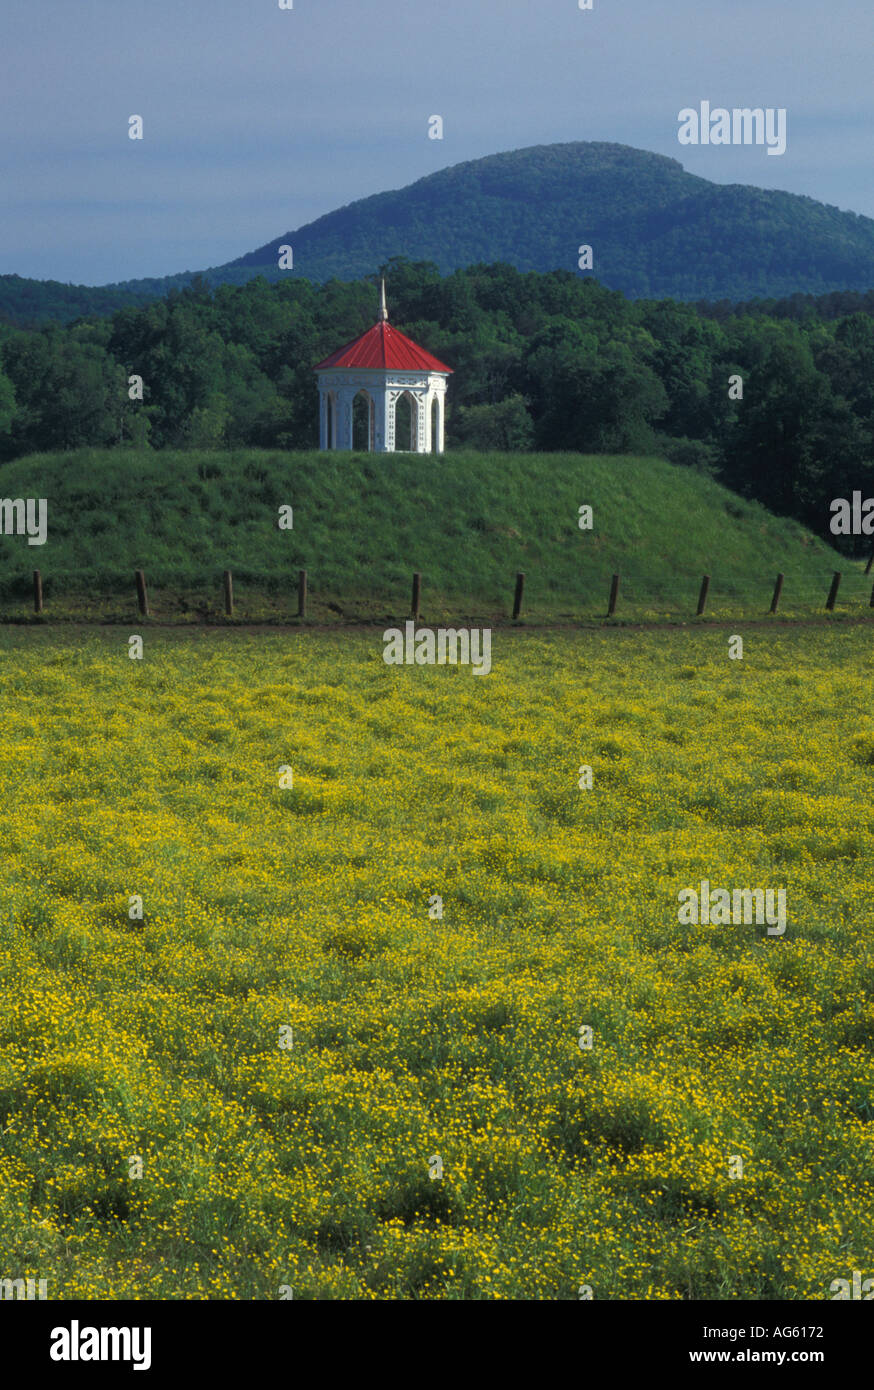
(504, 625)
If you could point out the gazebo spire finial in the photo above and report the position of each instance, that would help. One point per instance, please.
(383, 311)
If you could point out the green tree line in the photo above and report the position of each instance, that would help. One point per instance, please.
(541, 362)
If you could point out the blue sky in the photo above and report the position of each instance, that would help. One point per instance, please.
(257, 120)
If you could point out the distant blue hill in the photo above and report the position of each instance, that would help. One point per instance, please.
(656, 232)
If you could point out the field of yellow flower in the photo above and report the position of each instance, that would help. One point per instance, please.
(253, 1087)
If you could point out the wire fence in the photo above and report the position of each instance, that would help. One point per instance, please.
(849, 592)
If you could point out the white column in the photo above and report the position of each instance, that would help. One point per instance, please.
(428, 399)
(440, 402)
(379, 421)
(344, 418)
(389, 422)
(369, 421)
(421, 399)
(323, 420)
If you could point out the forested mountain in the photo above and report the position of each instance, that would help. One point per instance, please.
(546, 362)
(655, 232)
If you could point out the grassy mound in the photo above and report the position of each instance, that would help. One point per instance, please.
(363, 523)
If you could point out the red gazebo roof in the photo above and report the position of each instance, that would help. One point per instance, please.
(383, 346)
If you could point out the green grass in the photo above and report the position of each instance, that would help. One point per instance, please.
(363, 524)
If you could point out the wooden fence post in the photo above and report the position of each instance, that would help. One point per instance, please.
(37, 592)
(870, 563)
(614, 594)
(142, 597)
(778, 589)
(833, 591)
(702, 597)
(417, 596)
(517, 597)
(229, 592)
(871, 602)
(302, 593)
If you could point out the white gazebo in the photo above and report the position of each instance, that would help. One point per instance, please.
(384, 389)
